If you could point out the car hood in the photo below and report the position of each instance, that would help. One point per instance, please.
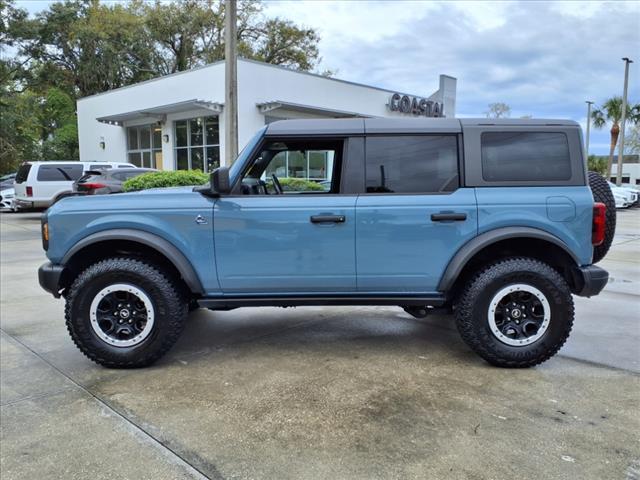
(164, 190)
(152, 199)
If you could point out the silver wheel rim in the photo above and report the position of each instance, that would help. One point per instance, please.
(122, 315)
(519, 315)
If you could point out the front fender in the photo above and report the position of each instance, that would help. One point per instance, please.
(164, 247)
(179, 224)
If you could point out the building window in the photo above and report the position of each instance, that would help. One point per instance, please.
(144, 146)
(316, 165)
(197, 144)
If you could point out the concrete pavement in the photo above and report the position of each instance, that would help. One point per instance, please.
(317, 393)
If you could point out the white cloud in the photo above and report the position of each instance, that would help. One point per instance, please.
(542, 58)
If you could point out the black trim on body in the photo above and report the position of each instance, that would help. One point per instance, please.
(594, 279)
(317, 300)
(49, 278)
(159, 244)
(483, 240)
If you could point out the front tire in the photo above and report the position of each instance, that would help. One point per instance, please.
(124, 313)
(515, 313)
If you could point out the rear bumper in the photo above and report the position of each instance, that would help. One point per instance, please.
(18, 202)
(49, 278)
(593, 280)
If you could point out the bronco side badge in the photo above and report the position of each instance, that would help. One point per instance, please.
(200, 220)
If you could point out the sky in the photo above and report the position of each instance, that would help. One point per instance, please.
(543, 59)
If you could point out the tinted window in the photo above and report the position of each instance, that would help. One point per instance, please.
(59, 173)
(23, 173)
(412, 164)
(525, 156)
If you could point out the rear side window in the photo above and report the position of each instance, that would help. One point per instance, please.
(23, 173)
(525, 156)
(411, 164)
(59, 173)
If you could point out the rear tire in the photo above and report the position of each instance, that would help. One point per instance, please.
(602, 193)
(544, 308)
(124, 313)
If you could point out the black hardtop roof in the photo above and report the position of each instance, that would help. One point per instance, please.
(342, 126)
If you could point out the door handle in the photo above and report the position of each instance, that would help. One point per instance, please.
(327, 218)
(448, 217)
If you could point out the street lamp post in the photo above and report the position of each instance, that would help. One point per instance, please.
(586, 141)
(623, 120)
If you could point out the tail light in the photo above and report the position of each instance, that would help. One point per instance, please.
(44, 222)
(92, 186)
(599, 223)
(29, 191)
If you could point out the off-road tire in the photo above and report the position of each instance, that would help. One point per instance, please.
(169, 305)
(473, 304)
(602, 193)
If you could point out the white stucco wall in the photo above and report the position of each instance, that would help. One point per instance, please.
(257, 83)
(206, 83)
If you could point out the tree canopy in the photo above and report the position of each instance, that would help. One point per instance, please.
(611, 111)
(498, 110)
(77, 48)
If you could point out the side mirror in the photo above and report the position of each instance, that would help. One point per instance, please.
(220, 181)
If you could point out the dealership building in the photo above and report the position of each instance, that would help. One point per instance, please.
(176, 122)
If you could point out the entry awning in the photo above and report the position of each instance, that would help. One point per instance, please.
(160, 113)
(274, 105)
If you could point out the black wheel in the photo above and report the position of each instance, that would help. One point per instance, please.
(515, 313)
(602, 193)
(124, 313)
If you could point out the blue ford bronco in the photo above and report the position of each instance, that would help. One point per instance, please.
(496, 220)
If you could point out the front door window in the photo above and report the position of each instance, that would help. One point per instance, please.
(293, 166)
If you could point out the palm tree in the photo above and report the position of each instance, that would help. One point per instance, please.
(611, 110)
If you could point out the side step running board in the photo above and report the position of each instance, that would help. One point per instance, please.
(237, 302)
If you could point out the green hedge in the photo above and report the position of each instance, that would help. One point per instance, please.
(180, 178)
(176, 178)
(298, 185)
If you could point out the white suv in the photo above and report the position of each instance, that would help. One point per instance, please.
(40, 184)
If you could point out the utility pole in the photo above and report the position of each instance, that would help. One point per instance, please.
(623, 120)
(231, 82)
(586, 140)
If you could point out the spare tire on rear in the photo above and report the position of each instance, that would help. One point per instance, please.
(602, 193)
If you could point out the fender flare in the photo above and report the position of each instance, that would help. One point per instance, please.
(469, 249)
(162, 246)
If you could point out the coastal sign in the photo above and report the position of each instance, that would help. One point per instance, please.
(415, 105)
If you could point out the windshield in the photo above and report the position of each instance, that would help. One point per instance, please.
(236, 167)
